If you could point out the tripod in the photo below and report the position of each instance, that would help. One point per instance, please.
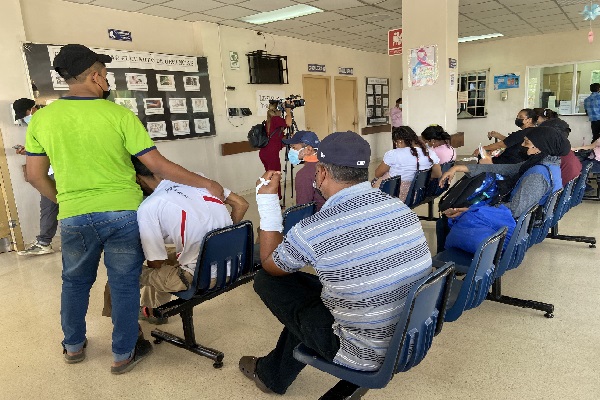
(289, 133)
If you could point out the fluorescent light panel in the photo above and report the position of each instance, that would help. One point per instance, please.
(281, 14)
(480, 37)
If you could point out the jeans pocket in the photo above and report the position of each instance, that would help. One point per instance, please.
(72, 242)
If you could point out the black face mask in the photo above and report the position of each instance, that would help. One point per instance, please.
(519, 122)
(106, 93)
(523, 152)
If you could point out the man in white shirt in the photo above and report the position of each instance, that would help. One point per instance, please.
(178, 215)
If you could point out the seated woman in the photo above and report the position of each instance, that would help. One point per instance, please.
(525, 121)
(593, 158)
(532, 181)
(439, 141)
(549, 118)
(409, 156)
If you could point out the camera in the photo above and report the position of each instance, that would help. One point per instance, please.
(295, 100)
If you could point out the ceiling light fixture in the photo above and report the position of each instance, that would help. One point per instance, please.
(282, 14)
(480, 37)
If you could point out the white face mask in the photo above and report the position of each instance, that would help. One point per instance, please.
(27, 118)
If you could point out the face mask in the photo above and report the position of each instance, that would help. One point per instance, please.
(106, 93)
(523, 152)
(27, 118)
(519, 122)
(293, 156)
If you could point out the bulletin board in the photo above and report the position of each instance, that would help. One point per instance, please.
(378, 101)
(170, 94)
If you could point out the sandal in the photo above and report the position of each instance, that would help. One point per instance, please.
(142, 349)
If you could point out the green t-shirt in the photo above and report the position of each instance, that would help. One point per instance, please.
(89, 143)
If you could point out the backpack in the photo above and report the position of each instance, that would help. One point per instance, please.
(469, 190)
(257, 136)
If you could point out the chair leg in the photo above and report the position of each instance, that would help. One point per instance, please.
(430, 213)
(498, 297)
(189, 341)
(344, 390)
(581, 239)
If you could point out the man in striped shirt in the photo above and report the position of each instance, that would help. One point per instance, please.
(367, 249)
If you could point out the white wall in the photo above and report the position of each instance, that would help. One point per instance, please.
(59, 22)
(514, 55)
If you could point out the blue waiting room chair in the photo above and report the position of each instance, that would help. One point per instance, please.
(470, 290)
(421, 319)
(297, 213)
(228, 249)
(391, 186)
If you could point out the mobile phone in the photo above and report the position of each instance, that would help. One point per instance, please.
(18, 147)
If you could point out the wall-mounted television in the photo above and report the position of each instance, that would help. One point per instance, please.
(267, 68)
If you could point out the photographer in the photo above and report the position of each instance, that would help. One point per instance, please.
(269, 155)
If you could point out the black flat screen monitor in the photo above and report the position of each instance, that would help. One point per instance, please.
(266, 70)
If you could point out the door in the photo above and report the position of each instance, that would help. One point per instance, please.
(346, 104)
(317, 110)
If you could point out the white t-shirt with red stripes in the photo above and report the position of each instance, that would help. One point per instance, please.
(180, 215)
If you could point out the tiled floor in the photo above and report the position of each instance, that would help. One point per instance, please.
(492, 352)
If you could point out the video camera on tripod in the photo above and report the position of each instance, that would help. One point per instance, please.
(294, 100)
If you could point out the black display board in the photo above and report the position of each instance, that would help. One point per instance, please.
(378, 101)
(167, 77)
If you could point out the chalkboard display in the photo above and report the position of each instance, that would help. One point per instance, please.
(169, 93)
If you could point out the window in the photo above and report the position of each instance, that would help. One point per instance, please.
(563, 87)
(473, 85)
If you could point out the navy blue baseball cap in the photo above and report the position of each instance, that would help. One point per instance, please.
(306, 137)
(346, 149)
(76, 58)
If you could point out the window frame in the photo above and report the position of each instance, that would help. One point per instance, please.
(574, 83)
(475, 73)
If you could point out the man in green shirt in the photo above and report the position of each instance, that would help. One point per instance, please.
(89, 142)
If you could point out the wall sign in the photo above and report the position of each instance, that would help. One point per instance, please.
(378, 101)
(395, 42)
(452, 63)
(507, 81)
(316, 68)
(345, 71)
(117, 34)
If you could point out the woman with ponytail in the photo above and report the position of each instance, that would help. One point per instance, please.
(439, 140)
(409, 156)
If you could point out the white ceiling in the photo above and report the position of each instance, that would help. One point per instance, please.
(363, 24)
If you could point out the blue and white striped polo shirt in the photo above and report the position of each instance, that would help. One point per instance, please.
(367, 249)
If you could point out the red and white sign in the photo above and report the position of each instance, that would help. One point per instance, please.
(395, 42)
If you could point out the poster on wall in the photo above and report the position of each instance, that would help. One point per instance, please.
(377, 101)
(595, 76)
(506, 81)
(167, 92)
(422, 66)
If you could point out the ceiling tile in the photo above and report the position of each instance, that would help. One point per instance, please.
(359, 28)
(165, 12)
(125, 5)
(80, 1)
(153, 1)
(230, 12)
(390, 23)
(192, 5)
(390, 5)
(481, 6)
(307, 30)
(284, 25)
(200, 17)
(329, 5)
(353, 12)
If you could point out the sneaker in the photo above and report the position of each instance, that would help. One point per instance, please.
(35, 249)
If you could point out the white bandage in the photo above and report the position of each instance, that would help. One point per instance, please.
(263, 182)
(270, 212)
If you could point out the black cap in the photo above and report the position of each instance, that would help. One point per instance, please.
(306, 137)
(76, 58)
(21, 106)
(346, 149)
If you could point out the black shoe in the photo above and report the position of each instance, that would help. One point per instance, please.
(142, 349)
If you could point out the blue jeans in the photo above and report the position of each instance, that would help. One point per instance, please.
(84, 237)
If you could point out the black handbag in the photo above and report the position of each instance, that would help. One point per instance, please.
(471, 190)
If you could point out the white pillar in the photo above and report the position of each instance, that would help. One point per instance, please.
(426, 23)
